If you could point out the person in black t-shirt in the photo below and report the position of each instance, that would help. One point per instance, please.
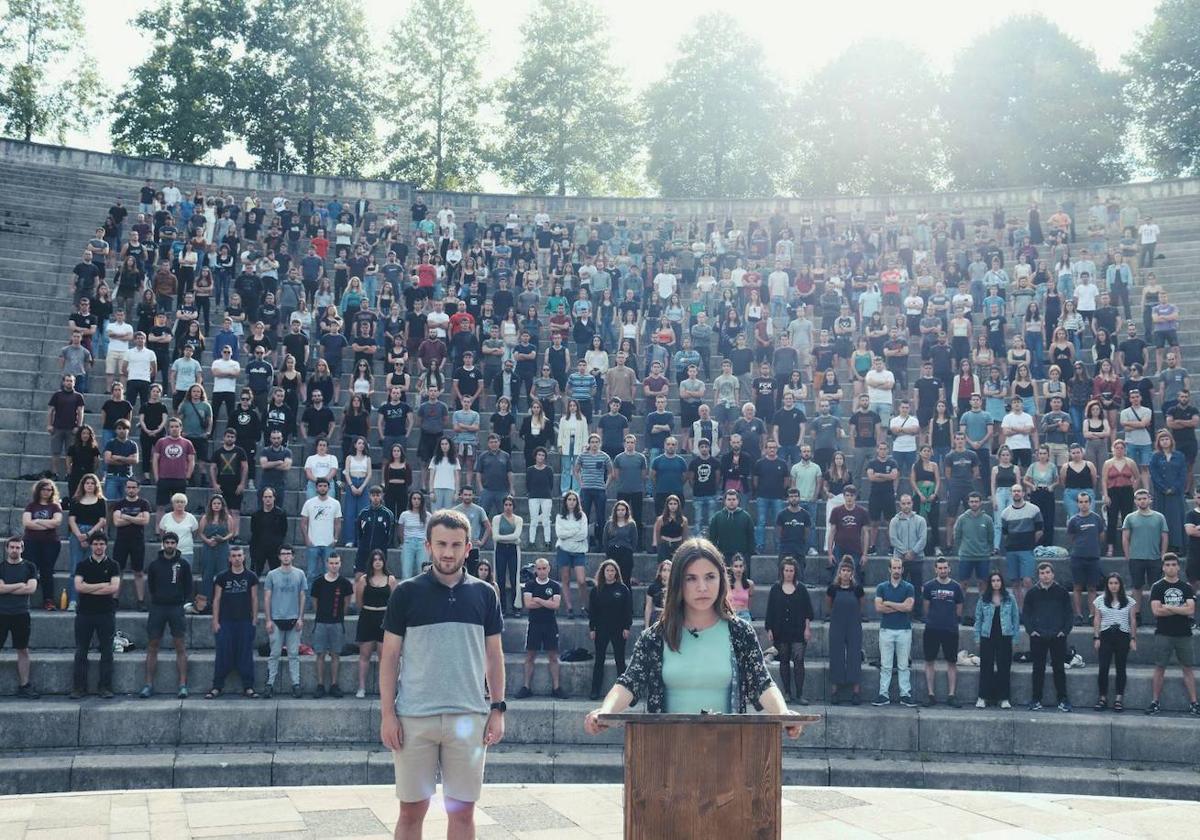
(789, 429)
(793, 526)
(883, 477)
(97, 582)
(771, 475)
(234, 610)
(704, 471)
(1183, 419)
(330, 593)
(19, 577)
(1173, 603)
(542, 598)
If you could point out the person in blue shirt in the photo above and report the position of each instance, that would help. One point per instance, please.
(894, 599)
(667, 471)
(943, 597)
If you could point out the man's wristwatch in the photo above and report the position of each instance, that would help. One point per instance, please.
(500, 706)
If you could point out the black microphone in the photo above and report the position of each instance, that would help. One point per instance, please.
(695, 634)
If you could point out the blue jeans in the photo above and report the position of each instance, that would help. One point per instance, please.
(317, 555)
(593, 501)
(1036, 347)
(894, 649)
(351, 506)
(412, 552)
(703, 508)
(443, 497)
(567, 480)
(811, 509)
(1003, 498)
(768, 511)
(78, 553)
(905, 461)
(651, 454)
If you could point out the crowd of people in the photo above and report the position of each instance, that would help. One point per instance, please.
(753, 373)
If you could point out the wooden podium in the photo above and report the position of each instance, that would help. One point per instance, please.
(693, 777)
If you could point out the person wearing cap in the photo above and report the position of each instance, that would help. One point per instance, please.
(169, 580)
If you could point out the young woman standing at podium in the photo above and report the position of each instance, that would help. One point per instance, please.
(699, 656)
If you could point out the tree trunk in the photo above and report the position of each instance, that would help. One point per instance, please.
(439, 177)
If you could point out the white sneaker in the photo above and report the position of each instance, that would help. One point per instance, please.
(71, 607)
(980, 704)
(812, 552)
(1004, 704)
(360, 694)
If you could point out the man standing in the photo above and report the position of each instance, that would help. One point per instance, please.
(667, 471)
(974, 538)
(1173, 603)
(704, 472)
(63, 418)
(592, 471)
(944, 599)
(374, 529)
(1046, 616)
(1021, 529)
(18, 580)
(542, 597)
(433, 713)
(172, 463)
(794, 525)
(494, 469)
(284, 591)
(1085, 531)
(771, 476)
(330, 594)
(170, 582)
(731, 528)
(907, 535)
(630, 472)
(806, 481)
(847, 524)
(961, 467)
(97, 581)
(894, 603)
(320, 523)
(1144, 535)
(234, 613)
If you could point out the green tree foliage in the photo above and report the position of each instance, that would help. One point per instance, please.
(49, 86)
(712, 121)
(306, 87)
(432, 97)
(1025, 104)
(1164, 87)
(568, 122)
(179, 102)
(866, 122)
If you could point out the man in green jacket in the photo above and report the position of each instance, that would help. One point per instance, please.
(732, 530)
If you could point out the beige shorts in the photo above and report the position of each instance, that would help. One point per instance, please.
(112, 362)
(451, 743)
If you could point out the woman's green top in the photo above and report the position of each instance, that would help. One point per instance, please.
(699, 675)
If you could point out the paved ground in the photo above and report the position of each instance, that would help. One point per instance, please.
(576, 812)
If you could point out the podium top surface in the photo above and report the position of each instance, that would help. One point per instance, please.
(714, 719)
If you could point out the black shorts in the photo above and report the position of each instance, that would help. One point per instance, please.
(1193, 568)
(944, 640)
(168, 487)
(160, 617)
(882, 507)
(200, 444)
(131, 549)
(956, 499)
(1166, 338)
(233, 499)
(18, 626)
(541, 637)
(370, 626)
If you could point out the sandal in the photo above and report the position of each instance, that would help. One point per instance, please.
(1101, 705)
(249, 693)
(1118, 706)
(213, 693)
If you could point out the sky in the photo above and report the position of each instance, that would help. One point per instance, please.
(797, 37)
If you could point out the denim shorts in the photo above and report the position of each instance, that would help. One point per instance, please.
(1139, 452)
(1021, 564)
(567, 559)
(977, 568)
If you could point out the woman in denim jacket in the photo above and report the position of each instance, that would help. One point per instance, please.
(997, 621)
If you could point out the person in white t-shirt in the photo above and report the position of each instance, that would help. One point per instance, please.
(321, 464)
(140, 366)
(1019, 432)
(320, 522)
(881, 383)
(665, 285)
(1085, 296)
(120, 336)
(1149, 238)
(225, 372)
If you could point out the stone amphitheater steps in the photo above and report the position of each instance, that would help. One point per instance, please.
(234, 742)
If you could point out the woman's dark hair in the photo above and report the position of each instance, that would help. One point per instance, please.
(628, 512)
(790, 561)
(380, 553)
(1003, 588)
(691, 550)
(93, 443)
(562, 510)
(417, 494)
(600, 581)
(1122, 600)
(451, 453)
(745, 577)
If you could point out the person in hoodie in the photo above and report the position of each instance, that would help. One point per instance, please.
(1047, 618)
(169, 580)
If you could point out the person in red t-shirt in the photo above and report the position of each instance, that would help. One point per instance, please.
(462, 322)
(173, 462)
(426, 276)
(320, 244)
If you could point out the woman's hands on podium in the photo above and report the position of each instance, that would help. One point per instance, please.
(592, 724)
